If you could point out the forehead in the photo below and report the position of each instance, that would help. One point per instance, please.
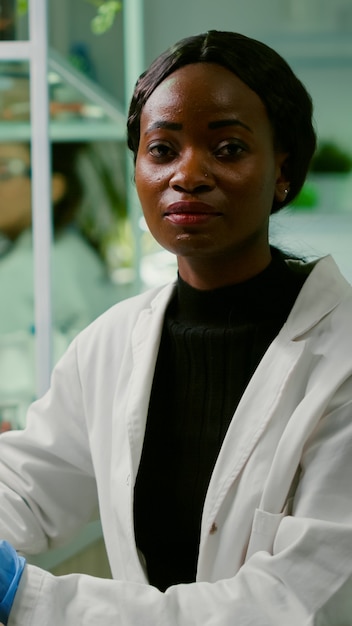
(200, 89)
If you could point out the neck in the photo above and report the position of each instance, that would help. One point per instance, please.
(214, 273)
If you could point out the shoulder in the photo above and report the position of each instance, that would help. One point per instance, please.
(118, 322)
(322, 315)
(325, 291)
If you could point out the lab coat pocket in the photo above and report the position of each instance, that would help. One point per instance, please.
(264, 529)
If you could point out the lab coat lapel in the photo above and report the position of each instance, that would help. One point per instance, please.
(250, 420)
(128, 432)
(145, 346)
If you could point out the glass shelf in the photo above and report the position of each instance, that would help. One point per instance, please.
(80, 110)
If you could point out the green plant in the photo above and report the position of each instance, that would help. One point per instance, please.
(329, 157)
(106, 12)
(21, 7)
(100, 23)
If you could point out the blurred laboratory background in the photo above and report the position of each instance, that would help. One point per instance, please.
(72, 237)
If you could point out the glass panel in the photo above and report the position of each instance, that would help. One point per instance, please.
(92, 254)
(14, 99)
(7, 20)
(17, 371)
(92, 250)
(79, 109)
(13, 20)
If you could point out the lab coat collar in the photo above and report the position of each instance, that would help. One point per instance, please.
(315, 300)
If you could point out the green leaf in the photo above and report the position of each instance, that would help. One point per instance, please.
(21, 7)
(105, 16)
(106, 12)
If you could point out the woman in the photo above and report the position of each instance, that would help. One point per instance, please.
(210, 419)
(81, 285)
(81, 289)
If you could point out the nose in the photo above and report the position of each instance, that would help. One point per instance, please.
(192, 173)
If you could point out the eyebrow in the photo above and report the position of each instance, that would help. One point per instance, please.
(230, 122)
(163, 124)
(212, 125)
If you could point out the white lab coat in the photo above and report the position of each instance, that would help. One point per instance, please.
(276, 537)
(81, 289)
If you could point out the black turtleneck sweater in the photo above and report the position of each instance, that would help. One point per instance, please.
(212, 341)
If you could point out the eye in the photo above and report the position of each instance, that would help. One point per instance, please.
(161, 151)
(230, 150)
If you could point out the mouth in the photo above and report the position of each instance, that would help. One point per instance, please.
(188, 213)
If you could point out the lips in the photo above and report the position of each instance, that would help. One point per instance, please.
(188, 213)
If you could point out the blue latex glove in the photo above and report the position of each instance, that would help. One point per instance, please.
(11, 568)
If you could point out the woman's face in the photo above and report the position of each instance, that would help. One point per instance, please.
(15, 189)
(207, 173)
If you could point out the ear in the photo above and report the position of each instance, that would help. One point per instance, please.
(58, 187)
(282, 185)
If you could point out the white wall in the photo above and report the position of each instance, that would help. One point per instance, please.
(330, 86)
(315, 37)
(166, 21)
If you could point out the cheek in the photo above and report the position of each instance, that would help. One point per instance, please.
(258, 182)
(10, 196)
(148, 183)
(142, 178)
(19, 199)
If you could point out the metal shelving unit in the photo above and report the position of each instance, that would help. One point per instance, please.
(34, 52)
(97, 117)
(88, 112)
(100, 118)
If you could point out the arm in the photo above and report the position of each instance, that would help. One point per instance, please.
(47, 484)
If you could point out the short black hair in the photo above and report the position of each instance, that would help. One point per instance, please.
(287, 102)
